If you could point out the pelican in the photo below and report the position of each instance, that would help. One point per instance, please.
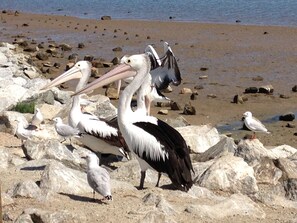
(96, 134)
(98, 177)
(253, 124)
(66, 131)
(156, 144)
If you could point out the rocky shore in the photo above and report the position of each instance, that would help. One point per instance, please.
(236, 179)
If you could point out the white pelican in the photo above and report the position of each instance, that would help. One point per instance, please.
(96, 134)
(253, 124)
(98, 177)
(37, 118)
(66, 131)
(155, 144)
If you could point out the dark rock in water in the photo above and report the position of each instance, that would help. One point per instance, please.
(238, 21)
(258, 78)
(189, 110)
(267, 89)
(41, 56)
(175, 106)
(65, 47)
(73, 57)
(284, 96)
(203, 69)
(237, 99)
(251, 90)
(294, 89)
(287, 117)
(40, 46)
(57, 65)
(81, 45)
(30, 49)
(89, 58)
(106, 17)
(117, 49)
(289, 125)
(193, 96)
(115, 61)
(198, 87)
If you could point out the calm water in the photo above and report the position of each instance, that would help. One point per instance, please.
(260, 12)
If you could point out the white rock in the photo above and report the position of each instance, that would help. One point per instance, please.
(236, 205)
(229, 173)
(199, 138)
(4, 158)
(61, 179)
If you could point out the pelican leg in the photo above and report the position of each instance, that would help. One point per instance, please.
(142, 180)
(159, 176)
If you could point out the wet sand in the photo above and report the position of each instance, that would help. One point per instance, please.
(233, 54)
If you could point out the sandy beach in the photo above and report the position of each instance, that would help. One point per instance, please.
(231, 57)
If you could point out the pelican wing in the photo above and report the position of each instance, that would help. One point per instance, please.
(177, 163)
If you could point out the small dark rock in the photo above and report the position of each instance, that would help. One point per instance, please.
(65, 47)
(97, 64)
(73, 57)
(40, 46)
(30, 49)
(193, 96)
(203, 69)
(258, 78)
(267, 89)
(289, 125)
(81, 45)
(238, 99)
(175, 106)
(42, 56)
(89, 58)
(106, 17)
(251, 90)
(294, 89)
(115, 61)
(25, 24)
(284, 96)
(189, 110)
(198, 87)
(117, 49)
(287, 117)
(238, 21)
(57, 65)
(265, 33)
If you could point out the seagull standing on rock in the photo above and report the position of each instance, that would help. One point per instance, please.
(66, 131)
(98, 177)
(21, 132)
(253, 124)
(37, 118)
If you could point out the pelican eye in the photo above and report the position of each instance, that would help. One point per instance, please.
(128, 61)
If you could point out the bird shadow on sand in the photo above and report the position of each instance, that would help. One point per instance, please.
(83, 198)
(70, 147)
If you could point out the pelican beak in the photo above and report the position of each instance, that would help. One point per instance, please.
(73, 73)
(120, 72)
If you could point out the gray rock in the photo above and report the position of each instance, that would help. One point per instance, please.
(236, 205)
(52, 149)
(199, 138)
(61, 179)
(180, 121)
(159, 202)
(226, 144)
(4, 158)
(27, 189)
(266, 172)
(42, 216)
(6, 199)
(156, 217)
(287, 117)
(231, 174)
(63, 97)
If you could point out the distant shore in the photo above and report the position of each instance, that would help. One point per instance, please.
(230, 58)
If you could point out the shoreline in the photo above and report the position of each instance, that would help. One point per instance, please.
(233, 54)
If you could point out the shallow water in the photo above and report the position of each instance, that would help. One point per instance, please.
(260, 12)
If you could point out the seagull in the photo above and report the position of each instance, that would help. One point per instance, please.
(155, 144)
(37, 118)
(253, 124)
(98, 177)
(21, 132)
(95, 134)
(66, 131)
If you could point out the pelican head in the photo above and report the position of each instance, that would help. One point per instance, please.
(129, 67)
(79, 70)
